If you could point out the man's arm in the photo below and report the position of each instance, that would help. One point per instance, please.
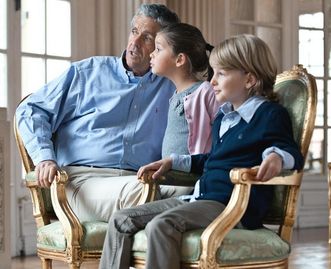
(39, 116)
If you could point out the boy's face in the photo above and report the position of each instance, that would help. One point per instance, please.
(141, 44)
(163, 61)
(230, 86)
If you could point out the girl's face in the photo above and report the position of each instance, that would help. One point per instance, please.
(163, 60)
(230, 85)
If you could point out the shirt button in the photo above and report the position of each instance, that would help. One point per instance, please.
(135, 106)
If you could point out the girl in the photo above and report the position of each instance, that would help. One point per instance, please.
(251, 129)
(193, 106)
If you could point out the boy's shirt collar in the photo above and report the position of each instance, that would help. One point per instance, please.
(247, 109)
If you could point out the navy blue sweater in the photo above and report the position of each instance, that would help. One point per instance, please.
(242, 146)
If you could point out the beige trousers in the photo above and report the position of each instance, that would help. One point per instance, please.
(95, 193)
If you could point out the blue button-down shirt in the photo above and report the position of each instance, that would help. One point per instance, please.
(99, 114)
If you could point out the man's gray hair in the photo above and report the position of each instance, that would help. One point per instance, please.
(159, 13)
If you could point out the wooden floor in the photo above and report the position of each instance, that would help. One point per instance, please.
(310, 250)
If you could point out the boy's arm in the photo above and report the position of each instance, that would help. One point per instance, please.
(279, 135)
(287, 158)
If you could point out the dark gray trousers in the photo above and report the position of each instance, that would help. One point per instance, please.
(164, 221)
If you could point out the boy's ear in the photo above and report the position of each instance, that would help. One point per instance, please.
(251, 80)
(181, 59)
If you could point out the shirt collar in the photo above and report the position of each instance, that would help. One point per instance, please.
(129, 74)
(247, 109)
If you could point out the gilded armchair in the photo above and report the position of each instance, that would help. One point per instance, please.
(222, 246)
(60, 234)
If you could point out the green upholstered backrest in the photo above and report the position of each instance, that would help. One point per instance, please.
(293, 95)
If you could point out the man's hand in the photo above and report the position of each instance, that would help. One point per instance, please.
(270, 167)
(157, 169)
(46, 172)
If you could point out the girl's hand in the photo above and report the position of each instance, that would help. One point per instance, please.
(270, 167)
(154, 170)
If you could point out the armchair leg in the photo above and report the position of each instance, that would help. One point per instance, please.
(46, 263)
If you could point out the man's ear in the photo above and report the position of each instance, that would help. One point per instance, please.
(181, 59)
(250, 80)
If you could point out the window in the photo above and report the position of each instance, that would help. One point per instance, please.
(314, 54)
(3, 53)
(45, 42)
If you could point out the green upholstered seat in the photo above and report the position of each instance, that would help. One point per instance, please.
(51, 236)
(238, 246)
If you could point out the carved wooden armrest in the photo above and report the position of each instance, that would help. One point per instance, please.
(247, 175)
(242, 178)
(72, 227)
(38, 204)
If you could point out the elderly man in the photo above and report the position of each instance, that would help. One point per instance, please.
(100, 121)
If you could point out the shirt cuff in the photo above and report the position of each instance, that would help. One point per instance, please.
(181, 162)
(42, 155)
(288, 160)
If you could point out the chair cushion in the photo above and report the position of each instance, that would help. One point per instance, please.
(51, 236)
(238, 246)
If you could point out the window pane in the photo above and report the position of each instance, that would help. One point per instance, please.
(314, 157)
(312, 15)
(58, 28)
(3, 80)
(33, 26)
(311, 49)
(33, 74)
(3, 24)
(311, 20)
(320, 103)
(55, 68)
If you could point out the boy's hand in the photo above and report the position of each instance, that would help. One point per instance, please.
(154, 170)
(270, 167)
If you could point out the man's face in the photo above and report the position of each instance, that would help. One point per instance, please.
(141, 44)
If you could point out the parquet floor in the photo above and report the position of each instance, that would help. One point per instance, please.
(310, 250)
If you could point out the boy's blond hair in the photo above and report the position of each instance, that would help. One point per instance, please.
(249, 54)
